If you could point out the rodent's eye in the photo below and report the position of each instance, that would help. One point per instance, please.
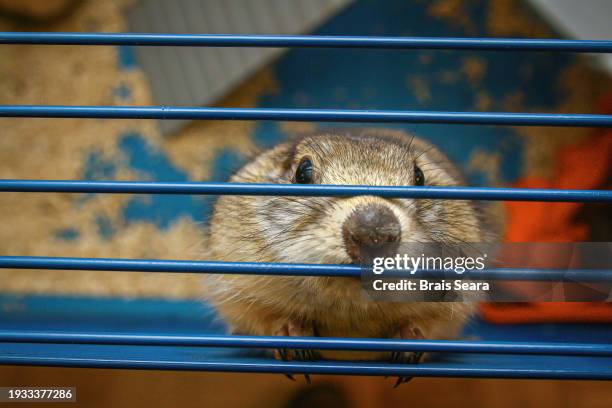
(304, 172)
(419, 177)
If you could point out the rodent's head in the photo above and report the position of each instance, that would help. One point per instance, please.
(333, 229)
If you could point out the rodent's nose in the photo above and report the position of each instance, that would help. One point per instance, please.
(370, 230)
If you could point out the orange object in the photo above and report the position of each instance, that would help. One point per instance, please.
(583, 166)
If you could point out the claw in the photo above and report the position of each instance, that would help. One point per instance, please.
(417, 356)
(304, 355)
(402, 358)
(401, 380)
(282, 354)
(293, 329)
(407, 332)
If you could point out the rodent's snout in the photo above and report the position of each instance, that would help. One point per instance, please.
(371, 230)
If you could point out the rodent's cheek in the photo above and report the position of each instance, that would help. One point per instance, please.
(330, 232)
(412, 230)
(312, 245)
(300, 235)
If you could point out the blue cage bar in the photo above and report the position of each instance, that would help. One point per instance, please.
(295, 41)
(319, 115)
(451, 193)
(181, 359)
(327, 343)
(289, 269)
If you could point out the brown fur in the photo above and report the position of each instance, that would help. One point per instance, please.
(308, 230)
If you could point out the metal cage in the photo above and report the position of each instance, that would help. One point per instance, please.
(538, 359)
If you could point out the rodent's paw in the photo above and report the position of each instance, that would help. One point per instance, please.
(407, 357)
(409, 332)
(296, 330)
(293, 329)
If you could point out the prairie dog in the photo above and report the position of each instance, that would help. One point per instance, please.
(326, 230)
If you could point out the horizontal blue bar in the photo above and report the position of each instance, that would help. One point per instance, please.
(318, 190)
(318, 115)
(122, 360)
(270, 268)
(178, 266)
(322, 343)
(248, 40)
